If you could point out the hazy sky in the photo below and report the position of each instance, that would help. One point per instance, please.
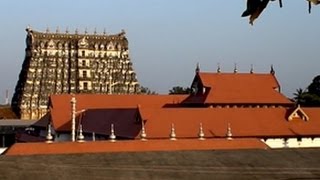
(168, 37)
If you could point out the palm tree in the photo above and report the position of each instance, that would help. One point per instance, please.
(299, 96)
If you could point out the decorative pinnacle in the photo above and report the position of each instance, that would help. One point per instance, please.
(251, 69)
(95, 31)
(80, 136)
(235, 68)
(67, 30)
(57, 30)
(104, 31)
(219, 69)
(197, 68)
(272, 70)
(47, 30)
(173, 133)
(93, 136)
(112, 136)
(229, 133)
(201, 133)
(76, 31)
(85, 31)
(143, 135)
(49, 136)
(28, 28)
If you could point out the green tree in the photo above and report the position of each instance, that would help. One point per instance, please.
(180, 90)
(146, 90)
(299, 96)
(311, 97)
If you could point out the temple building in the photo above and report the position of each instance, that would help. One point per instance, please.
(64, 63)
(228, 106)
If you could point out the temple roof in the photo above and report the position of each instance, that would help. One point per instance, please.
(95, 101)
(131, 146)
(239, 88)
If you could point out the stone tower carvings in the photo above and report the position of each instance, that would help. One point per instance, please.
(57, 63)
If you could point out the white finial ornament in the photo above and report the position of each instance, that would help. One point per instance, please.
(201, 133)
(80, 136)
(229, 133)
(173, 133)
(49, 136)
(73, 118)
(93, 136)
(143, 135)
(112, 136)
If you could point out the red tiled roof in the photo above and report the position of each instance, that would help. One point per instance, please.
(61, 107)
(7, 113)
(242, 88)
(132, 146)
(99, 121)
(245, 122)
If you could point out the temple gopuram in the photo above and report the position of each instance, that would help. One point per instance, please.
(64, 63)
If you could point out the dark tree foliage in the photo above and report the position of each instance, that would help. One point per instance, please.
(314, 87)
(180, 90)
(310, 97)
(146, 90)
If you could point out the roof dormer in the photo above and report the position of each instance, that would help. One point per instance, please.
(298, 113)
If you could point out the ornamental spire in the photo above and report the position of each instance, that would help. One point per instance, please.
(49, 137)
(229, 133)
(143, 135)
(219, 69)
(80, 135)
(272, 70)
(235, 68)
(173, 133)
(197, 68)
(112, 136)
(201, 133)
(251, 69)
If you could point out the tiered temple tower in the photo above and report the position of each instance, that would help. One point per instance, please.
(58, 63)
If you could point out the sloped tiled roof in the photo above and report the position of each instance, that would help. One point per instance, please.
(61, 108)
(132, 146)
(241, 88)
(244, 122)
(7, 113)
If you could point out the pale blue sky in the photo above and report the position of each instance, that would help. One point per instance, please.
(168, 37)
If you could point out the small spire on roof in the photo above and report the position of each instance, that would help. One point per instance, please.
(229, 133)
(143, 135)
(47, 30)
(28, 28)
(235, 68)
(80, 135)
(251, 69)
(93, 136)
(57, 30)
(272, 70)
(197, 68)
(67, 30)
(104, 31)
(201, 133)
(86, 31)
(76, 31)
(219, 69)
(95, 31)
(112, 136)
(49, 136)
(173, 133)
(73, 118)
